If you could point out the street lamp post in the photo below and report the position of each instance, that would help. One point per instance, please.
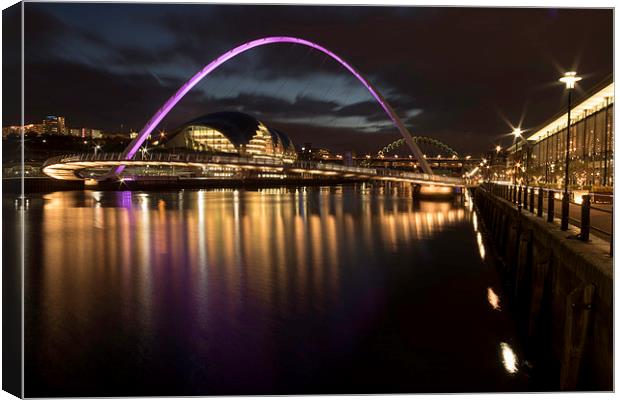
(517, 134)
(569, 78)
(524, 160)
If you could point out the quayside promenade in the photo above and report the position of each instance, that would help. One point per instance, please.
(561, 284)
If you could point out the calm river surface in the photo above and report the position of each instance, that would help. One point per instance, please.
(311, 290)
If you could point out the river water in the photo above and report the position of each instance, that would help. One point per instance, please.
(277, 291)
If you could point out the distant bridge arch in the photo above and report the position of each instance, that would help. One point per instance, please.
(419, 140)
(135, 144)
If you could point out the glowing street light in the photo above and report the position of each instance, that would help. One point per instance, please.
(144, 150)
(517, 134)
(498, 148)
(569, 78)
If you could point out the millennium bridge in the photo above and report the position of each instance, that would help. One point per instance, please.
(68, 166)
(94, 166)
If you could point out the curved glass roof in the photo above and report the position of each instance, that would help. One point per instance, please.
(238, 127)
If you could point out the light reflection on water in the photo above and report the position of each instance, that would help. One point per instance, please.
(270, 286)
(493, 298)
(509, 358)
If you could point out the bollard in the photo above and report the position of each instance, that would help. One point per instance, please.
(585, 218)
(519, 195)
(550, 206)
(565, 209)
(540, 203)
(525, 189)
(532, 200)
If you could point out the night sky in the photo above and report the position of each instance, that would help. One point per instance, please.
(456, 74)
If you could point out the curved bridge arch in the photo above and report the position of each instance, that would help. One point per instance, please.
(135, 144)
(419, 139)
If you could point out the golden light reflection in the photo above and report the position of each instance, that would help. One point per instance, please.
(264, 248)
(493, 299)
(509, 358)
(480, 245)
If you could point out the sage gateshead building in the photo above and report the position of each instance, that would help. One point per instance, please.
(591, 150)
(231, 133)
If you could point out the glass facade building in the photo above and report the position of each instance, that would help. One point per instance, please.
(591, 146)
(232, 133)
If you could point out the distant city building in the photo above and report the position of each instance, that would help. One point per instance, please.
(75, 132)
(86, 133)
(306, 151)
(96, 133)
(16, 129)
(232, 133)
(54, 125)
(322, 154)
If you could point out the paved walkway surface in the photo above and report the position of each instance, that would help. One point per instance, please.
(601, 216)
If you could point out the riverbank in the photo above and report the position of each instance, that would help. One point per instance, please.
(562, 289)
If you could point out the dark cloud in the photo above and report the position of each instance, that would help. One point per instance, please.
(446, 71)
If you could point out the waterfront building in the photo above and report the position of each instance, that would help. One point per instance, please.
(591, 150)
(231, 133)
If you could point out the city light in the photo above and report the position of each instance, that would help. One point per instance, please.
(570, 78)
(498, 148)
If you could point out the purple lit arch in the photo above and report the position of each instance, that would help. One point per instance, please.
(135, 144)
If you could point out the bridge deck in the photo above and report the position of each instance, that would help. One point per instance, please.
(67, 166)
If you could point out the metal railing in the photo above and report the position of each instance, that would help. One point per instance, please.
(539, 201)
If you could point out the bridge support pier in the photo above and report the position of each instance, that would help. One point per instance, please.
(415, 190)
